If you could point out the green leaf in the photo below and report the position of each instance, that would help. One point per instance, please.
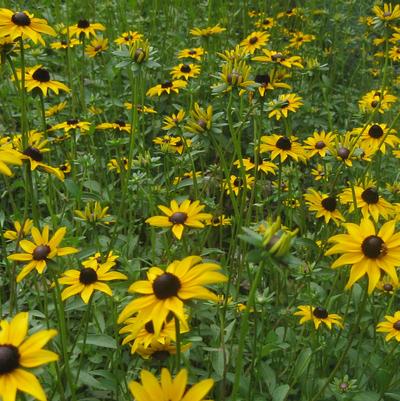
(100, 340)
(281, 392)
(303, 360)
(367, 396)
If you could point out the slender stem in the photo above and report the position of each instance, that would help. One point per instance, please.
(178, 343)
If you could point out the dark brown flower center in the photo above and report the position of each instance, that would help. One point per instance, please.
(73, 121)
(320, 145)
(329, 203)
(83, 24)
(320, 313)
(238, 182)
(160, 355)
(186, 68)
(88, 276)
(370, 195)
(41, 75)
(98, 48)
(202, 123)
(139, 54)
(253, 40)
(21, 19)
(166, 286)
(192, 52)
(375, 131)
(343, 153)
(41, 252)
(178, 218)
(263, 79)
(166, 84)
(388, 287)
(9, 358)
(396, 325)
(121, 123)
(33, 153)
(216, 220)
(374, 103)
(373, 247)
(284, 143)
(278, 57)
(149, 327)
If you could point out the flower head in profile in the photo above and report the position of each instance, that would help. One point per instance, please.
(206, 32)
(82, 126)
(160, 350)
(23, 25)
(389, 13)
(195, 53)
(177, 216)
(89, 279)
(173, 121)
(84, 28)
(118, 125)
(51, 111)
(235, 74)
(318, 315)
(368, 252)
(94, 213)
(17, 351)
(169, 388)
(200, 119)
(279, 58)
(21, 230)
(391, 327)
(167, 87)
(165, 291)
(41, 250)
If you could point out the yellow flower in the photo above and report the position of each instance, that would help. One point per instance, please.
(368, 252)
(39, 252)
(319, 143)
(118, 164)
(388, 13)
(209, 31)
(236, 184)
(282, 146)
(128, 38)
(324, 205)
(84, 27)
(160, 351)
(381, 101)
(96, 46)
(172, 144)
(168, 388)
(280, 107)
(263, 165)
(23, 24)
(20, 231)
(119, 125)
(17, 352)
(64, 44)
(39, 77)
(185, 71)
(318, 315)
(196, 53)
(94, 212)
(391, 326)
(377, 136)
(200, 120)
(256, 40)
(55, 109)
(9, 156)
(68, 125)
(140, 108)
(165, 291)
(173, 121)
(298, 38)
(89, 279)
(283, 59)
(218, 220)
(178, 216)
(166, 87)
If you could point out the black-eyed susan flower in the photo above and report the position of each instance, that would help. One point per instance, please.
(276, 57)
(209, 31)
(167, 87)
(394, 53)
(65, 44)
(38, 77)
(96, 46)
(389, 13)
(169, 388)
(173, 121)
(17, 351)
(263, 165)
(324, 205)
(22, 24)
(299, 38)
(188, 175)
(367, 251)
(280, 107)
(320, 172)
(319, 143)
(236, 184)
(318, 315)
(118, 125)
(41, 250)
(196, 53)
(236, 54)
(128, 38)
(118, 164)
(376, 100)
(143, 335)
(345, 148)
(265, 23)
(290, 12)
(89, 279)
(387, 285)
(267, 83)
(85, 28)
(165, 291)
(94, 213)
(218, 220)
(160, 351)
(141, 108)
(82, 126)
(51, 111)
(235, 74)
(368, 200)
(391, 327)
(185, 71)
(65, 167)
(200, 119)
(177, 216)
(256, 40)
(173, 144)
(282, 146)
(20, 230)
(377, 136)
